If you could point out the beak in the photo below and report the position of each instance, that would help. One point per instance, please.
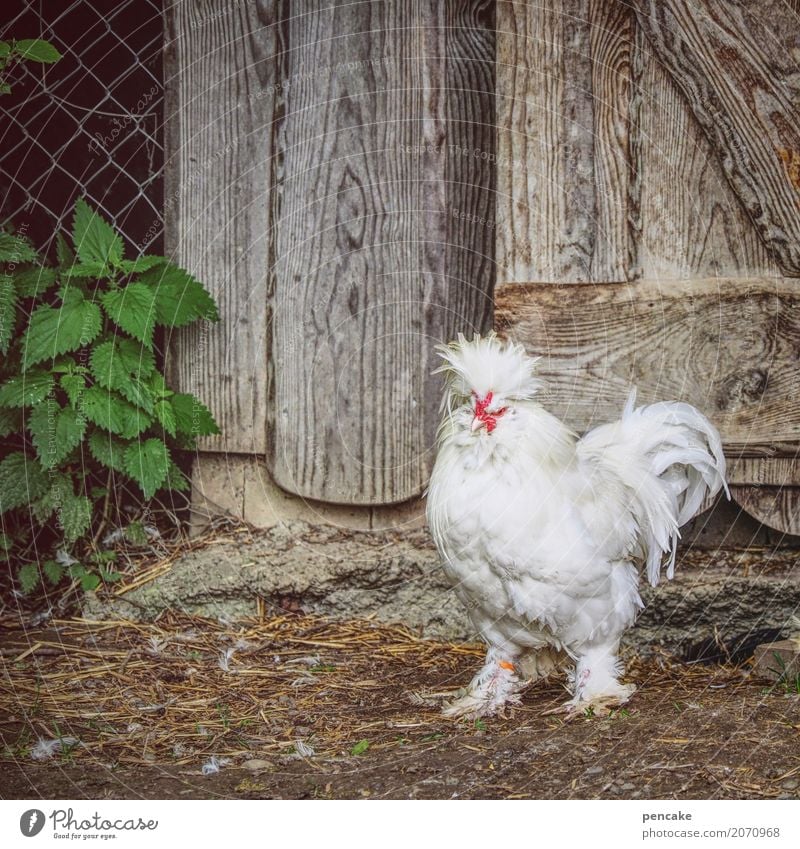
(477, 424)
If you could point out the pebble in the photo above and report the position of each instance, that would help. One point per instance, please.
(255, 764)
(594, 770)
(791, 784)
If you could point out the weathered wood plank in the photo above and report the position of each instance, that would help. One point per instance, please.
(563, 158)
(728, 346)
(774, 471)
(691, 223)
(774, 506)
(361, 289)
(730, 61)
(219, 77)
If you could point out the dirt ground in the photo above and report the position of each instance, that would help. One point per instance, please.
(299, 707)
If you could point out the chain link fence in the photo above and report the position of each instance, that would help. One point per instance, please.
(89, 125)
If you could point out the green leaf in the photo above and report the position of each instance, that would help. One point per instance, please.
(24, 389)
(35, 281)
(108, 450)
(124, 365)
(176, 479)
(90, 582)
(165, 414)
(55, 431)
(73, 385)
(95, 240)
(133, 309)
(5, 49)
(75, 516)
(85, 269)
(36, 50)
(110, 576)
(28, 577)
(179, 298)
(53, 571)
(360, 747)
(8, 311)
(111, 411)
(5, 546)
(10, 422)
(22, 481)
(147, 463)
(192, 417)
(16, 249)
(135, 533)
(141, 263)
(52, 331)
(64, 253)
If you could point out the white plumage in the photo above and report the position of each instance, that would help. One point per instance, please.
(543, 533)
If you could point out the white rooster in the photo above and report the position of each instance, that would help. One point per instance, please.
(541, 532)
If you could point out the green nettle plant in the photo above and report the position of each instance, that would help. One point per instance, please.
(81, 398)
(24, 50)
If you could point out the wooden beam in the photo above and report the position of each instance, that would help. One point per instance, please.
(383, 244)
(733, 63)
(220, 76)
(728, 346)
(563, 167)
(776, 507)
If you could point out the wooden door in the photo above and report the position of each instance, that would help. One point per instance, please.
(649, 217)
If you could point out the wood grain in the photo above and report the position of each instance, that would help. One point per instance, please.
(728, 346)
(691, 223)
(776, 507)
(378, 94)
(219, 80)
(729, 59)
(563, 159)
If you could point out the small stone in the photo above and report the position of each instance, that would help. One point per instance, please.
(255, 765)
(594, 770)
(791, 784)
(628, 786)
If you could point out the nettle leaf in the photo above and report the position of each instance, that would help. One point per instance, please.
(25, 389)
(34, 282)
(58, 488)
(64, 253)
(193, 418)
(165, 415)
(53, 331)
(8, 311)
(28, 577)
(15, 248)
(10, 421)
(111, 411)
(141, 263)
(89, 582)
(53, 571)
(37, 50)
(124, 365)
(75, 515)
(180, 299)
(148, 463)
(85, 269)
(74, 386)
(6, 544)
(55, 431)
(22, 481)
(176, 479)
(95, 240)
(108, 450)
(133, 309)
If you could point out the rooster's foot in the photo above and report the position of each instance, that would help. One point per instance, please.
(495, 686)
(600, 704)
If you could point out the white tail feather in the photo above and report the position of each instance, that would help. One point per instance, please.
(668, 456)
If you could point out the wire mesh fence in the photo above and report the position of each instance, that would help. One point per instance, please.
(89, 125)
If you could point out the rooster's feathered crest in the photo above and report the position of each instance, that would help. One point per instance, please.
(487, 364)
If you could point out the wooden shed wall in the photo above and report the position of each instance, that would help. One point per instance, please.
(354, 182)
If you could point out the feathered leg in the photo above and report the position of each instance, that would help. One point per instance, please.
(596, 680)
(501, 680)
